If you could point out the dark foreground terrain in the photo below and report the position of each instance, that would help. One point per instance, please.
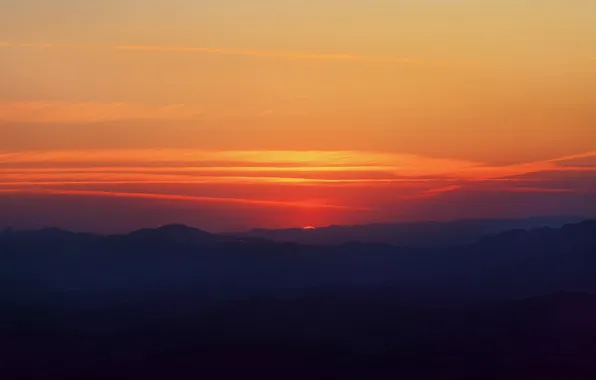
(176, 302)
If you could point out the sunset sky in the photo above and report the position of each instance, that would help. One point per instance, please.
(232, 114)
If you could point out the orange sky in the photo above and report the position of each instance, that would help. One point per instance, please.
(234, 114)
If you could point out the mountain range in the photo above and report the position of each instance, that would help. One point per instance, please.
(419, 234)
(409, 234)
(179, 302)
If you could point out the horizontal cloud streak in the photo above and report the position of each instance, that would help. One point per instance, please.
(89, 112)
(288, 55)
(188, 160)
(184, 198)
(404, 176)
(292, 55)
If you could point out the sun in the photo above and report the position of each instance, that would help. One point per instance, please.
(309, 228)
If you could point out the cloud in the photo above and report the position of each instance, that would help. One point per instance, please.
(276, 54)
(444, 189)
(59, 177)
(17, 44)
(522, 189)
(250, 161)
(291, 55)
(434, 192)
(591, 154)
(297, 175)
(483, 172)
(183, 198)
(77, 112)
(254, 162)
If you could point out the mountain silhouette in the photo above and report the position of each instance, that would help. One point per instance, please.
(172, 233)
(175, 300)
(409, 234)
(522, 261)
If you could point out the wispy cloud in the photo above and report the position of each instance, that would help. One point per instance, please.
(182, 198)
(277, 54)
(85, 112)
(591, 154)
(254, 163)
(409, 176)
(292, 55)
(524, 189)
(486, 172)
(17, 44)
(434, 192)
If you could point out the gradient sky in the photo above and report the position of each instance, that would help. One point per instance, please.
(230, 114)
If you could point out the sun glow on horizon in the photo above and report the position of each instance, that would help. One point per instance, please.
(229, 114)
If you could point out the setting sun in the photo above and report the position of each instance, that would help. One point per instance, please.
(361, 188)
(228, 115)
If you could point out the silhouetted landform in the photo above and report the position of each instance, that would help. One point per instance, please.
(177, 302)
(409, 234)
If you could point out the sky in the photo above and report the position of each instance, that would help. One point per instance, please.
(232, 114)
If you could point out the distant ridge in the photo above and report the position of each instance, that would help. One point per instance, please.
(576, 233)
(410, 233)
(414, 234)
(171, 235)
(177, 292)
(174, 232)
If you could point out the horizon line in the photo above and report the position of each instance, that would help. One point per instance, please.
(580, 219)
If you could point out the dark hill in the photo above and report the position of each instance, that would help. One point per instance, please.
(176, 302)
(423, 234)
(173, 233)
